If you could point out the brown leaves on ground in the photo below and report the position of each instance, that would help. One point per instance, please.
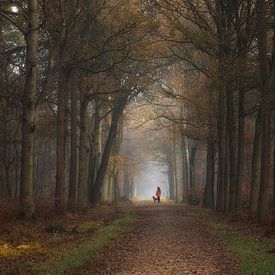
(26, 243)
(168, 240)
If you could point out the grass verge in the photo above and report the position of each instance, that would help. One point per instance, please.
(256, 255)
(80, 255)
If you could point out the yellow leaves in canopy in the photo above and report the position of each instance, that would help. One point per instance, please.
(117, 157)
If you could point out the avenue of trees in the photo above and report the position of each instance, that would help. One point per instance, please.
(200, 72)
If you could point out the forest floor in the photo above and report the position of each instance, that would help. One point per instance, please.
(169, 239)
(144, 238)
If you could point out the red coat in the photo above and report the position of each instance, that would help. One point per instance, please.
(158, 193)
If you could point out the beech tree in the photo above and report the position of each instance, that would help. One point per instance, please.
(201, 73)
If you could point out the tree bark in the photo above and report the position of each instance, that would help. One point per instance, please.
(95, 152)
(241, 148)
(267, 79)
(126, 183)
(171, 179)
(73, 159)
(221, 146)
(175, 165)
(84, 149)
(60, 207)
(227, 166)
(232, 141)
(256, 168)
(208, 195)
(27, 207)
(63, 75)
(265, 192)
(193, 150)
(116, 115)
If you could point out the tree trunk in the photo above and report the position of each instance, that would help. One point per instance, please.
(232, 142)
(267, 79)
(95, 152)
(192, 164)
(221, 148)
(115, 152)
(171, 179)
(208, 195)
(84, 149)
(185, 163)
(116, 188)
(63, 76)
(73, 159)
(175, 165)
(61, 144)
(265, 192)
(126, 183)
(241, 148)
(96, 189)
(256, 168)
(227, 166)
(27, 207)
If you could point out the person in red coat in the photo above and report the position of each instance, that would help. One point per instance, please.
(158, 193)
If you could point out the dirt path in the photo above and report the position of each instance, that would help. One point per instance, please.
(168, 240)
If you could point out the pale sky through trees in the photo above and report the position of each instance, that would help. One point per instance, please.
(151, 177)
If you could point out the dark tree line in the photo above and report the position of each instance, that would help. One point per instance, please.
(231, 43)
(70, 68)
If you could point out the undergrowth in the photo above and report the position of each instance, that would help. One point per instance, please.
(81, 255)
(256, 255)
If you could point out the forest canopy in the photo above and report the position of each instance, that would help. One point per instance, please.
(93, 90)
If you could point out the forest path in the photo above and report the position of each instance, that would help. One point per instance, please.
(170, 239)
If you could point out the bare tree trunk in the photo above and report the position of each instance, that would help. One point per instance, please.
(185, 162)
(126, 183)
(116, 115)
(27, 207)
(84, 149)
(208, 195)
(110, 182)
(221, 147)
(267, 79)
(256, 168)
(171, 179)
(193, 150)
(227, 166)
(60, 207)
(241, 148)
(63, 76)
(73, 160)
(266, 169)
(95, 152)
(175, 165)
(116, 188)
(232, 141)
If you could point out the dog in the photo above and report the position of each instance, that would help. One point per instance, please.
(155, 199)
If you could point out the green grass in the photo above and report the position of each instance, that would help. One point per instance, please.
(251, 251)
(81, 255)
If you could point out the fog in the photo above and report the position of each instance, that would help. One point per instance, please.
(144, 147)
(152, 176)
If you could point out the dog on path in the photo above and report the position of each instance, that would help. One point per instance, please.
(155, 199)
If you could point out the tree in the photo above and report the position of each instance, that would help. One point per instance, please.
(267, 74)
